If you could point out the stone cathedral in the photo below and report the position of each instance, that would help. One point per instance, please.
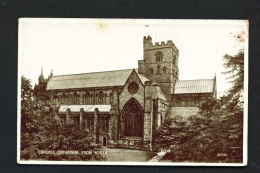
(122, 108)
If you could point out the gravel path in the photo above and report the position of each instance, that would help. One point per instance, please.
(127, 155)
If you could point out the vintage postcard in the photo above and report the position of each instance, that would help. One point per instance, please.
(132, 92)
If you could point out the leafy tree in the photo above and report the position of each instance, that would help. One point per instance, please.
(41, 129)
(173, 136)
(26, 105)
(227, 112)
(200, 138)
(233, 98)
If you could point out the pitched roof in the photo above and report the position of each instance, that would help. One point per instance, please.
(194, 86)
(142, 78)
(89, 80)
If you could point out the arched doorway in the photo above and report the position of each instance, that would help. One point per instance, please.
(132, 119)
(104, 141)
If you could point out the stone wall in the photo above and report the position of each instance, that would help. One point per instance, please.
(191, 100)
(125, 95)
(156, 108)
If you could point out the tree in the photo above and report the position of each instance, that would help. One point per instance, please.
(227, 111)
(233, 98)
(173, 136)
(202, 138)
(27, 106)
(41, 129)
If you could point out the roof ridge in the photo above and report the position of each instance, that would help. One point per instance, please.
(195, 79)
(94, 72)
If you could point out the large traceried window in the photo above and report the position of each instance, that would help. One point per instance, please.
(132, 119)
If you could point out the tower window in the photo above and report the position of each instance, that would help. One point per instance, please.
(151, 70)
(159, 56)
(164, 69)
(159, 69)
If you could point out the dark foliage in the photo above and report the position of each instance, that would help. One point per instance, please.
(41, 129)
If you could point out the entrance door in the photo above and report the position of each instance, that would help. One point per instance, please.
(104, 141)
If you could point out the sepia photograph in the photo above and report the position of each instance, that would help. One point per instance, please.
(158, 92)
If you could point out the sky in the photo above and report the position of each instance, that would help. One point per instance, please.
(72, 46)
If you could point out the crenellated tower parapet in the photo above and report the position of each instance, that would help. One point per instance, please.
(148, 45)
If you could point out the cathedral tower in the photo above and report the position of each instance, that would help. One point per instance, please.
(160, 64)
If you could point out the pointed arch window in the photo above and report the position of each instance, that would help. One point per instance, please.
(96, 99)
(58, 99)
(83, 98)
(158, 69)
(110, 98)
(75, 98)
(67, 98)
(132, 118)
(105, 98)
(92, 99)
(100, 97)
(164, 69)
(151, 70)
(63, 98)
(70, 98)
(159, 56)
(87, 98)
